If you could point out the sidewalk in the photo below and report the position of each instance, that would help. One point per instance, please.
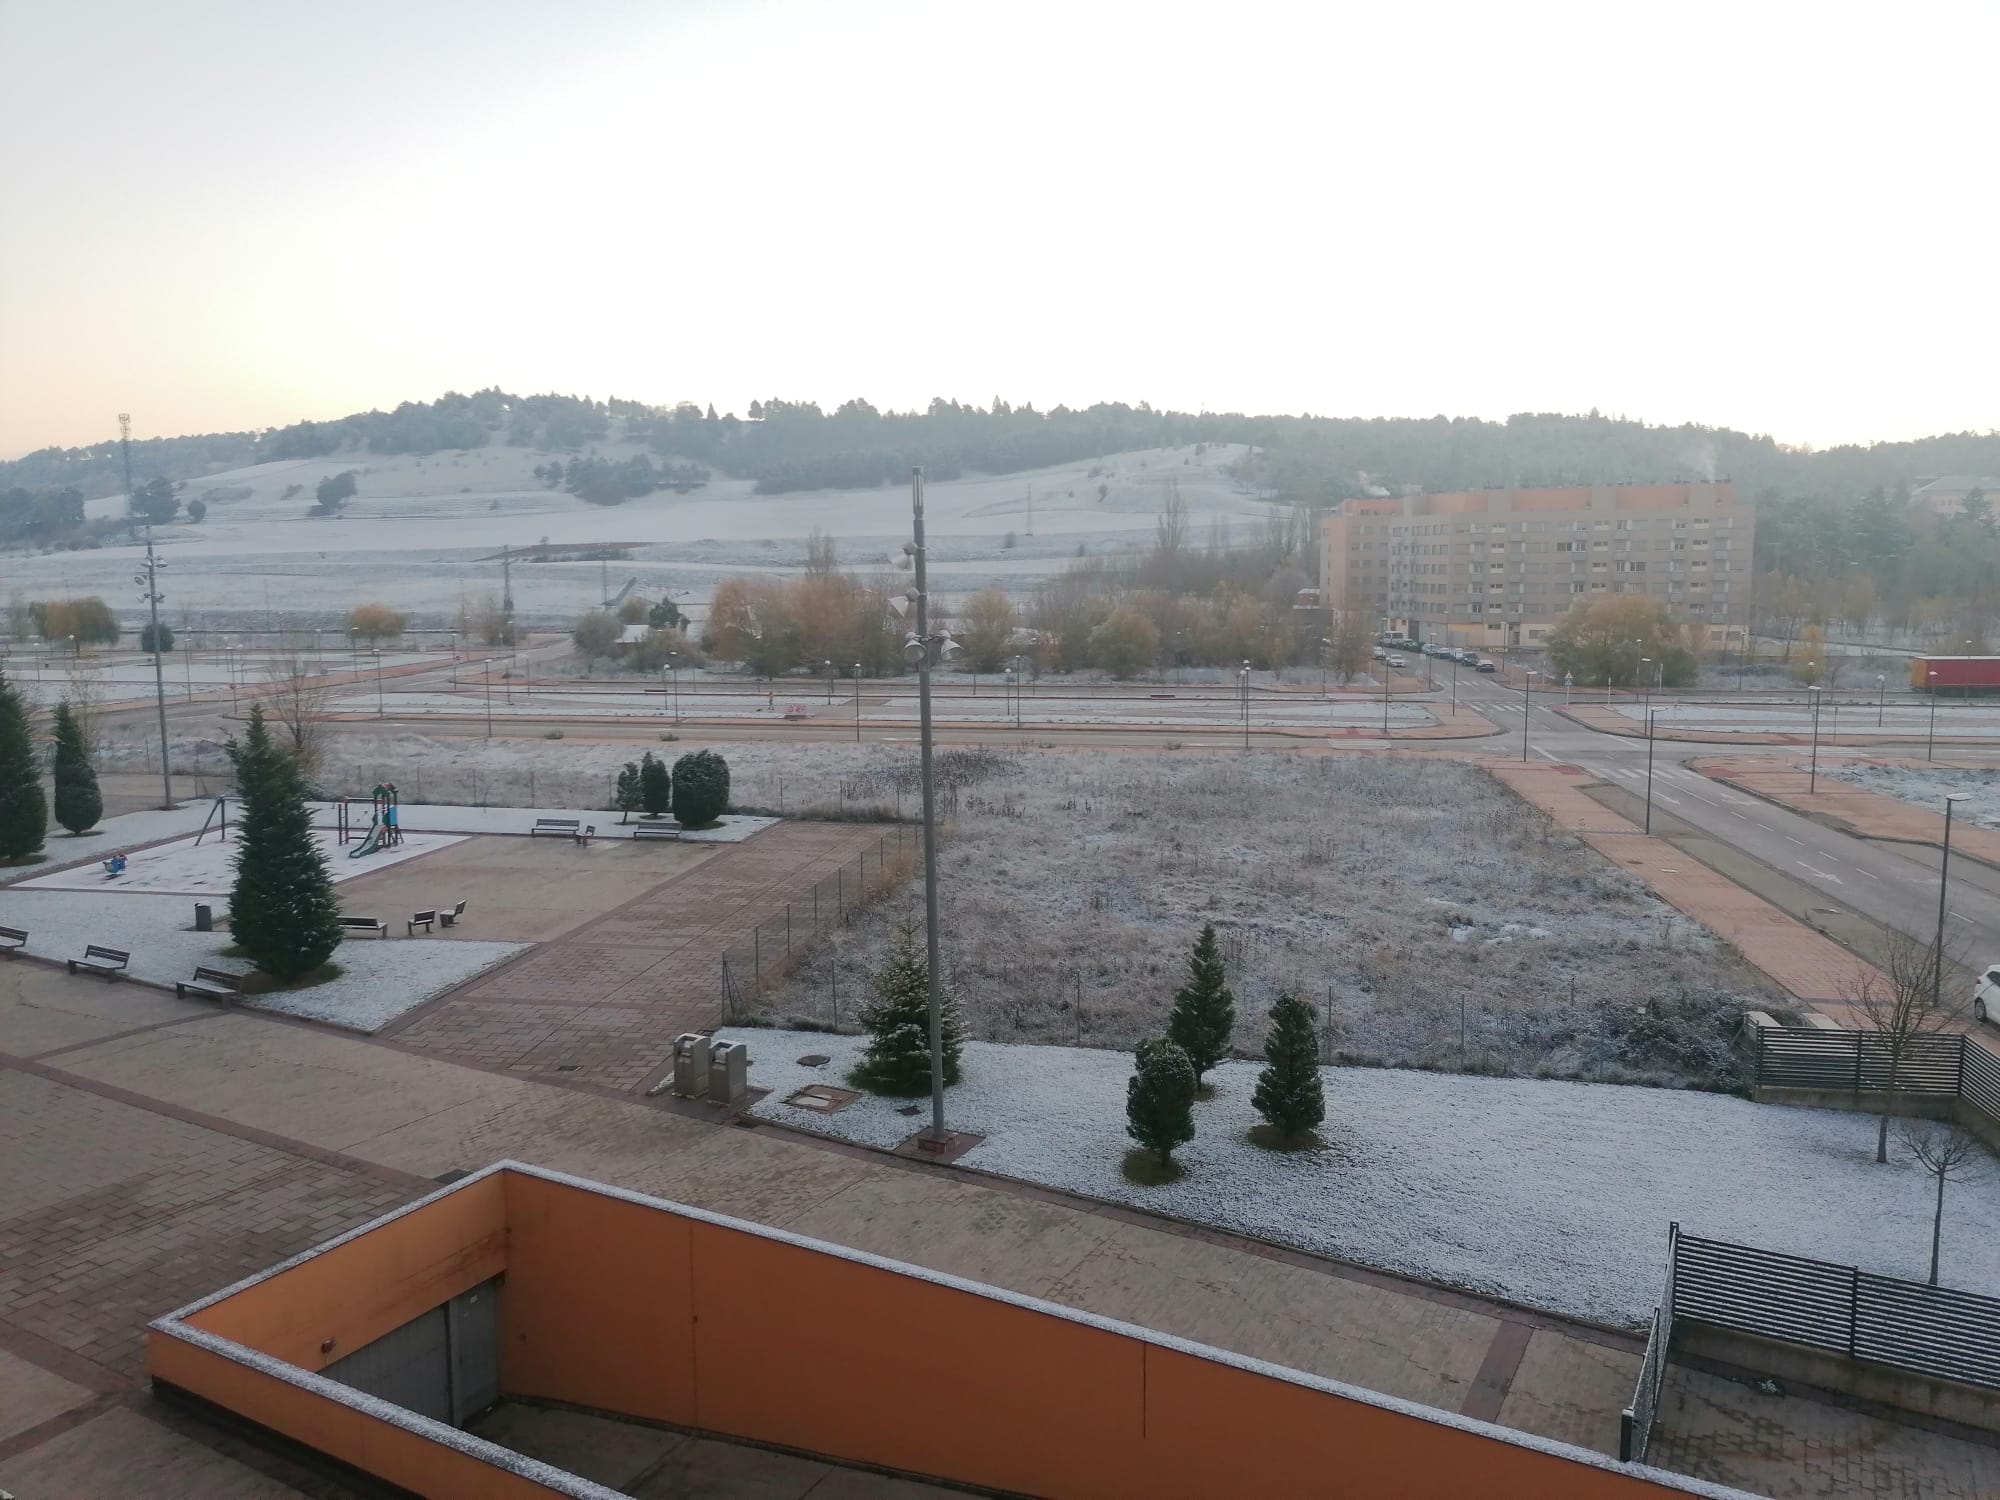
(1791, 954)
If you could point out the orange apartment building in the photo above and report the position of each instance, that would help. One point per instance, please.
(1492, 569)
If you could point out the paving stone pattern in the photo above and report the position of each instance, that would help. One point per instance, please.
(602, 1004)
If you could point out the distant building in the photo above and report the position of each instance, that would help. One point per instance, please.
(1496, 568)
(1945, 495)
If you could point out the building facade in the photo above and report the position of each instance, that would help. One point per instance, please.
(1493, 569)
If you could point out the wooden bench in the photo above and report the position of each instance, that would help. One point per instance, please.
(448, 915)
(100, 960)
(12, 939)
(657, 831)
(365, 924)
(424, 919)
(217, 984)
(562, 827)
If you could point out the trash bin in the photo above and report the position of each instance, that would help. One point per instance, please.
(204, 917)
(691, 1064)
(728, 1065)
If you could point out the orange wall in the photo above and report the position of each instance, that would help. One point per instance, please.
(408, 1459)
(373, 1284)
(637, 1310)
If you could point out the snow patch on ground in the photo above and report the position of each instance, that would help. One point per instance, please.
(1553, 1194)
(1928, 786)
(381, 978)
(429, 818)
(208, 868)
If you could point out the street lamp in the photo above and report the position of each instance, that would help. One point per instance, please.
(1527, 680)
(1646, 682)
(1243, 686)
(148, 578)
(486, 669)
(857, 703)
(380, 712)
(1454, 687)
(1325, 649)
(674, 667)
(1385, 698)
(1882, 701)
(1650, 714)
(1930, 736)
(229, 666)
(1812, 781)
(1944, 875)
(827, 667)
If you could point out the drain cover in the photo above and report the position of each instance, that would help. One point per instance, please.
(814, 1060)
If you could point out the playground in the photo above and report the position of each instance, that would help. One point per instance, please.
(208, 867)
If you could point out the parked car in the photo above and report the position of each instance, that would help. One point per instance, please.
(1380, 654)
(1986, 994)
(1397, 661)
(1486, 664)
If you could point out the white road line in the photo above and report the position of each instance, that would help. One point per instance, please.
(1540, 751)
(1800, 842)
(1967, 920)
(1766, 827)
(1821, 873)
(1871, 874)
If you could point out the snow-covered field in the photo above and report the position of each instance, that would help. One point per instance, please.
(1928, 786)
(127, 678)
(380, 979)
(1553, 1194)
(208, 868)
(424, 532)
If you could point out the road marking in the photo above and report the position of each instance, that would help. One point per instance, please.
(1871, 874)
(1800, 842)
(1663, 797)
(1540, 751)
(1766, 827)
(1967, 920)
(1821, 873)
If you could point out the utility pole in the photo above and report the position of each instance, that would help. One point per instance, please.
(125, 452)
(919, 645)
(149, 579)
(507, 592)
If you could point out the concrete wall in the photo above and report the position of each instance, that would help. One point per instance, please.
(1972, 1405)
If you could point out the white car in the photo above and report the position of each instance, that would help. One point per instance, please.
(1397, 661)
(1986, 994)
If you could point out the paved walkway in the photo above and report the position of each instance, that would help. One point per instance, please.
(1800, 960)
(602, 1002)
(147, 1155)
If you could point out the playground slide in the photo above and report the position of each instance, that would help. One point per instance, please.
(370, 844)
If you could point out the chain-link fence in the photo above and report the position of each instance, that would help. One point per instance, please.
(778, 941)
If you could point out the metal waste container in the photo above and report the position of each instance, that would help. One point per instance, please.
(728, 1067)
(691, 1064)
(204, 917)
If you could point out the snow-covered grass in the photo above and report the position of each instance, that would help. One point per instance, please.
(1553, 1194)
(122, 832)
(208, 868)
(380, 978)
(1928, 786)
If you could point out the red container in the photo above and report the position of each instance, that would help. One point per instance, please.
(1955, 674)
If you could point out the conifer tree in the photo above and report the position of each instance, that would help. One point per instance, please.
(627, 796)
(1204, 1013)
(1289, 1092)
(1159, 1099)
(24, 813)
(282, 910)
(656, 792)
(701, 788)
(78, 803)
(898, 1058)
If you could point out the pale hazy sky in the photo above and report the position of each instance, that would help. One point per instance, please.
(222, 214)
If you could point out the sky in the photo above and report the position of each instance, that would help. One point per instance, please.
(1779, 217)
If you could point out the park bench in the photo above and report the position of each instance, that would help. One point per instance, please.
(424, 919)
(217, 984)
(365, 924)
(448, 915)
(657, 831)
(12, 939)
(563, 827)
(99, 960)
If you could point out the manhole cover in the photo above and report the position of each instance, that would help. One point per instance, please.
(566, 1067)
(814, 1060)
(823, 1098)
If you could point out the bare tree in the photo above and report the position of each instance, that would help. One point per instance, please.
(85, 693)
(296, 702)
(1353, 634)
(1899, 1003)
(1170, 531)
(1944, 1152)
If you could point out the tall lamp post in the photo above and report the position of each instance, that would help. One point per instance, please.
(1812, 780)
(827, 667)
(1325, 650)
(486, 671)
(1882, 696)
(1527, 681)
(380, 711)
(1243, 689)
(919, 647)
(149, 580)
(1646, 682)
(1649, 768)
(1930, 736)
(857, 703)
(1944, 876)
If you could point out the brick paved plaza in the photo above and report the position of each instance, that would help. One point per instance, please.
(154, 1149)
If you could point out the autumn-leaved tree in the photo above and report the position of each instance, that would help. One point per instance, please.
(1126, 643)
(376, 622)
(595, 633)
(986, 630)
(1603, 643)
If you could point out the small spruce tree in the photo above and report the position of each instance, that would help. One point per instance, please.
(1289, 1092)
(78, 803)
(1204, 1013)
(282, 910)
(656, 787)
(898, 1058)
(24, 813)
(1159, 1099)
(701, 788)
